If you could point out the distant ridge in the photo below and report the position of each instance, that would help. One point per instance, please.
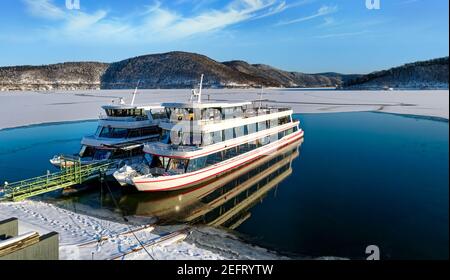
(428, 74)
(183, 69)
(68, 76)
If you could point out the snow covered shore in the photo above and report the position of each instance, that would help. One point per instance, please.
(42, 107)
(89, 237)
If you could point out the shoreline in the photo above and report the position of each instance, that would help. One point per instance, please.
(106, 239)
(37, 108)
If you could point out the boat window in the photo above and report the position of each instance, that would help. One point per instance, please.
(229, 153)
(262, 126)
(207, 138)
(228, 134)
(119, 133)
(211, 114)
(119, 153)
(217, 136)
(196, 164)
(197, 138)
(283, 120)
(239, 131)
(228, 113)
(99, 129)
(149, 130)
(177, 165)
(109, 132)
(251, 128)
(165, 136)
(159, 162)
(273, 137)
(187, 138)
(179, 114)
(273, 122)
(102, 154)
(106, 131)
(158, 114)
(134, 133)
(213, 158)
(264, 141)
(86, 151)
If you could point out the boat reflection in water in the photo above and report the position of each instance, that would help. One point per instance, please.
(224, 201)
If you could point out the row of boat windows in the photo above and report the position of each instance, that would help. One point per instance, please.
(102, 154)
(179, 166)
(232, 203)
(209, 138)
(126, 112)
(114, 132)
(216, 114)
(179, 114)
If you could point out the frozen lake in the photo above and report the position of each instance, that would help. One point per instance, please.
(359, 179)
(25, 108)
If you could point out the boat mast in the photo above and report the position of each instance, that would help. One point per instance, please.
(200, 89)
(134, 93)
(260, 97)
(197, 93)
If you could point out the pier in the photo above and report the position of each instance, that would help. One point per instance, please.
(71, 174)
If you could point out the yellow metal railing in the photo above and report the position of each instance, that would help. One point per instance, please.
(68, 176)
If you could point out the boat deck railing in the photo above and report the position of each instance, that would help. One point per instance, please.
(123, 119)
(249, 112)
(162, 147)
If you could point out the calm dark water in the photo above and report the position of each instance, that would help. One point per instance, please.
(358, 179)
(25, 151)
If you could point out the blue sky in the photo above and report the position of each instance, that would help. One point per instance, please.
(299, 35)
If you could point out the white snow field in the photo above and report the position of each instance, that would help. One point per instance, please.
(24, 108)
(79, 235)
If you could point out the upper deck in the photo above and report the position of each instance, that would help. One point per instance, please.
(131, 116)
(205, 105)
(215, 116)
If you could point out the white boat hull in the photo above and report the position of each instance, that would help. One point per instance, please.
(177, 182)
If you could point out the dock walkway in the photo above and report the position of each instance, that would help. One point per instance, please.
(75, 173)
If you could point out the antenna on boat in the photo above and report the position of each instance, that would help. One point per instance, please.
(134, 93)
(260, 96)
(197, 92)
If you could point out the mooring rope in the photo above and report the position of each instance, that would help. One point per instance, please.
(123, 216)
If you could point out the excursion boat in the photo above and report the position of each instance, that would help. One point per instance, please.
(121, 133)
(204, 140)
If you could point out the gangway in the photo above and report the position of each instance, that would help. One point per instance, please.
(70, 175)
